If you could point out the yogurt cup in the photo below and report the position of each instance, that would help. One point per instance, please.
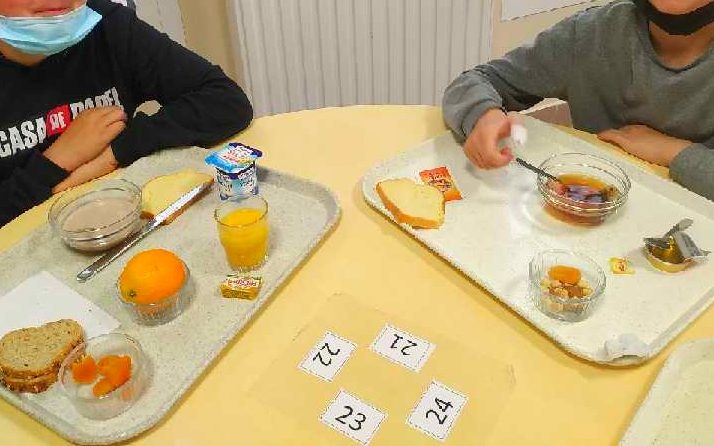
(236, 172)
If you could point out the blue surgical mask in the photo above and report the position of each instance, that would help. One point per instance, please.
(48, 35)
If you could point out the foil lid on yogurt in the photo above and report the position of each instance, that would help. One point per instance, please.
(233, 157)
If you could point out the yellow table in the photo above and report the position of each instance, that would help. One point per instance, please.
(558, 399)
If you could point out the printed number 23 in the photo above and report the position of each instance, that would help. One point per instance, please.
(359, 418)
(325, 361)
(443, 406)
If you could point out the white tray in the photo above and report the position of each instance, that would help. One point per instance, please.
(301, 213)
(493, 233)
(678, 408)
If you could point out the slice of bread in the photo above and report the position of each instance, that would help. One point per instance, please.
(160, 192)
(418, 205)
(31, 385)
(38, 351)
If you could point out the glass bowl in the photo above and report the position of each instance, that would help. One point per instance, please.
(98, 219)
(582, 212)
(163, 311)
(571, 309)
(121, 398)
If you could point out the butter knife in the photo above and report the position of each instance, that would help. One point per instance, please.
(168, 214)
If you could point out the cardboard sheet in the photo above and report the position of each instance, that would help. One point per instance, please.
(393, 389)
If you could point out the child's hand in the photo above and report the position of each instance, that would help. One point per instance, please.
(646, 143)
(99, 166)
(481, 147)
(86, 137)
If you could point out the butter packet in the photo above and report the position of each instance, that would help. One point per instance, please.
(442, 180)
(621, 266)
(241, 287)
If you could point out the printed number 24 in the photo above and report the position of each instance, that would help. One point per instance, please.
(325, 361)
(443, 406)
(357, 419)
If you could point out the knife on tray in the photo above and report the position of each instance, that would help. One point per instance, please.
(166, 215)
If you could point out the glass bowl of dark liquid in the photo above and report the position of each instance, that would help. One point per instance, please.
(589, 189)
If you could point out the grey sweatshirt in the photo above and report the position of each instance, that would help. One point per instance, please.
(602, 62)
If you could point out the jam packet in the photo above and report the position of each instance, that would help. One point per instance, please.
(236, 172)
(442, 180)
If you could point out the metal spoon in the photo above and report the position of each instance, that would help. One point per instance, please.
(535, 169)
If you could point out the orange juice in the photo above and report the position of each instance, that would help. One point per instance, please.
(244, 235)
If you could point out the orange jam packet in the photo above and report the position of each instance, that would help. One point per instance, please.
(441, 179)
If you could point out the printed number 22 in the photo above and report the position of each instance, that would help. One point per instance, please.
(443, 406)
(356, 420)
(322, 360)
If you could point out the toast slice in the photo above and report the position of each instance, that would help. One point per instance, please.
(35, 352)
(160, 192)
(31, 385)
(418, 205)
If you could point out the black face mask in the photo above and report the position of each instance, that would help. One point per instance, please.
(678, 24)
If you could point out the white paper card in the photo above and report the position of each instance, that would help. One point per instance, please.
(512, 9)
(327, 357)
(42, 298)
(353, 417)
(402, 347)
(437, 411)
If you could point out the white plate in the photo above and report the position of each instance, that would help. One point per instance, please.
(679, 407)
(492, 234)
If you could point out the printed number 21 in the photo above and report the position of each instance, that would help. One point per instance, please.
(325, 361)
(443, 406)
(356, 420)
(398, 338)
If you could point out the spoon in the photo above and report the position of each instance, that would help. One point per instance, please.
(535, 169)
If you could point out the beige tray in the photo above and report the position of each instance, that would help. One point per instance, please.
(301, 214)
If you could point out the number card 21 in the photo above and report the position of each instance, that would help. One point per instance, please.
(403, 348)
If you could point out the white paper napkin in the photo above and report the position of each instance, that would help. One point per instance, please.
(42, 298)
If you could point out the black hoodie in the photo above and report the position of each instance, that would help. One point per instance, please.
(124, 62)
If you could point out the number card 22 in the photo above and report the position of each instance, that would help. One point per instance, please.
(328, 356)
(437, 411)
(353, 417)
(403, 348)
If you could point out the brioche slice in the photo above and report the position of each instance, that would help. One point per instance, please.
(160, 192)
(418, 205)
(38, 351)
(31, 385)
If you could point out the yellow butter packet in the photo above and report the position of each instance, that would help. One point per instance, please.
(241, 287)
(621, 266)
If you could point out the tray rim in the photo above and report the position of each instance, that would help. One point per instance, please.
(59, 426)
(667, 336)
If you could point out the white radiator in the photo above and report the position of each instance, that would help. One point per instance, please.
(303, 54)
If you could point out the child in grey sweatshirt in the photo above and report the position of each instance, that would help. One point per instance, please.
(603, 62)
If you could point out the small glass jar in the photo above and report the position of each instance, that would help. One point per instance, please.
(120, 399)
(571, 309)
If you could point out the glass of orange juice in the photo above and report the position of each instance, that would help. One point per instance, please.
(243, 231)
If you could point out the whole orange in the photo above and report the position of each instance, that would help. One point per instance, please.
(151, 276)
